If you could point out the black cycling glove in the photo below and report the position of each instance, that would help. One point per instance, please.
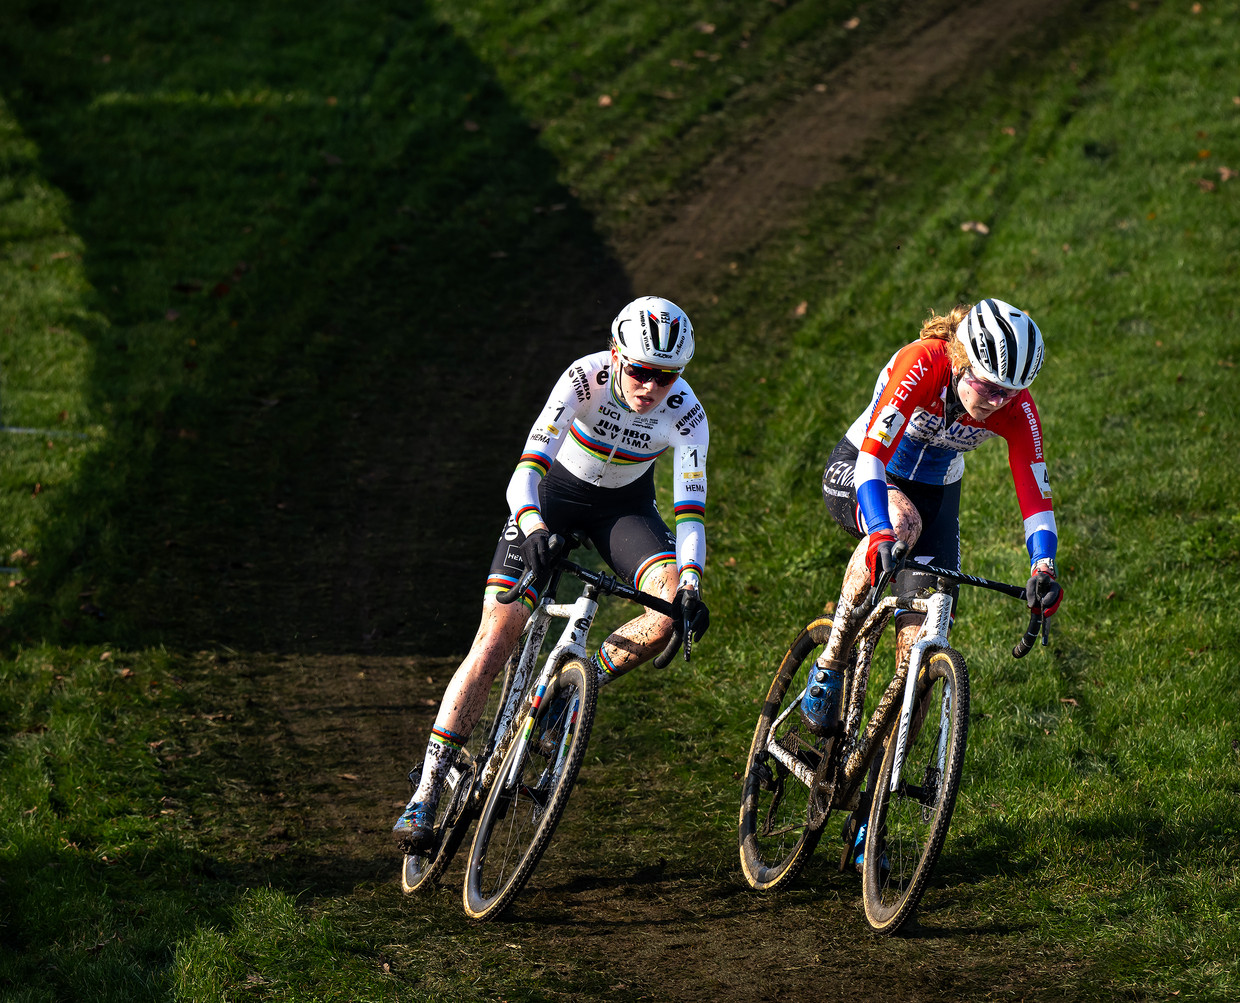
(536, 552)
(688, 608)
(1043, 592)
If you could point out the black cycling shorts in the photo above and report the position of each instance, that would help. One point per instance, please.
(623, 525)
(937, 504)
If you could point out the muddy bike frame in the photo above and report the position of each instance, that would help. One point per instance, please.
(919, 721)
(838, 788)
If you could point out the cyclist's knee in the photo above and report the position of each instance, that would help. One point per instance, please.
(905, 518)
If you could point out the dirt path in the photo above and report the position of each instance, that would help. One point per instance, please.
(756, 188)
(333, 734)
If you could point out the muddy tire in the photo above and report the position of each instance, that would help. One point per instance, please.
(776, 837)
(518, 820)
(907, 827)
(420, 871)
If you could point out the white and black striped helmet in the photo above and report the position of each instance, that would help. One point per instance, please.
(654, 332)
(1004, 344)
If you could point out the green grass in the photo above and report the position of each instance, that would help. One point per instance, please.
(319, 167)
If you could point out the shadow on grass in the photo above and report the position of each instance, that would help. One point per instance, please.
(334, 275)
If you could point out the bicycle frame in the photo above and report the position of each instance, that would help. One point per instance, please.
(859, 750)
(572, 643)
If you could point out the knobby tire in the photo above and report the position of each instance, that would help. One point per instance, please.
(776, 837)
(907, 827)
(517, 823)
(455, 813)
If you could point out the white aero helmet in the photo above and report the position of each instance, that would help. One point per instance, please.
(1004, 344)
(654, 332)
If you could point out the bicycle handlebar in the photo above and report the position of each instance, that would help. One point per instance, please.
(608, 585)
(1037, 622)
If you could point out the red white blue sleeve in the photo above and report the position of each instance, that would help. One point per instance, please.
(1019, 424)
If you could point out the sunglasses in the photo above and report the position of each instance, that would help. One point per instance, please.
(990, 391)
(645, 374)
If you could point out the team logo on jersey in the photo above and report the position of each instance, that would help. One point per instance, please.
(1040, 475)
(887, 425)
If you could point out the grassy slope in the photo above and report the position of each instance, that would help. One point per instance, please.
(1108, 822)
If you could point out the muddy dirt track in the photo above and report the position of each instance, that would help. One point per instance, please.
(330, 731)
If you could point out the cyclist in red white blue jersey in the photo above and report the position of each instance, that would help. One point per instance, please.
(588, 466)
(896, 474)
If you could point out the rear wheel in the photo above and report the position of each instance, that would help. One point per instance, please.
(455, 810)
(776, 834)
(519, 818)
(908, 825)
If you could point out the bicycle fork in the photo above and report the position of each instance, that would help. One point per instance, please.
(579, 616)
(933, 634)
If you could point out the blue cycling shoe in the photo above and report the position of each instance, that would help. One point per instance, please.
(414, 831)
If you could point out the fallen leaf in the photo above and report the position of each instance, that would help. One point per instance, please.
(852, 23)
(706, 28)
(1206, 185)
(1069, 700)
(1203, 154)
(975, 226)
(604, 100)
(802, 307)
(350, 776)
(1226, 173)
(1009, 130)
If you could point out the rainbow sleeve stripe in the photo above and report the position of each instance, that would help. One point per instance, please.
(538, 462)
(690, 511)
(692, 568)
(527, 514)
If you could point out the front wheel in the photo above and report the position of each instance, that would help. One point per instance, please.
(776, 837)
(519, 818)
(908, 825)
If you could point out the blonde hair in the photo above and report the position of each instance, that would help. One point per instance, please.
(944, 328)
